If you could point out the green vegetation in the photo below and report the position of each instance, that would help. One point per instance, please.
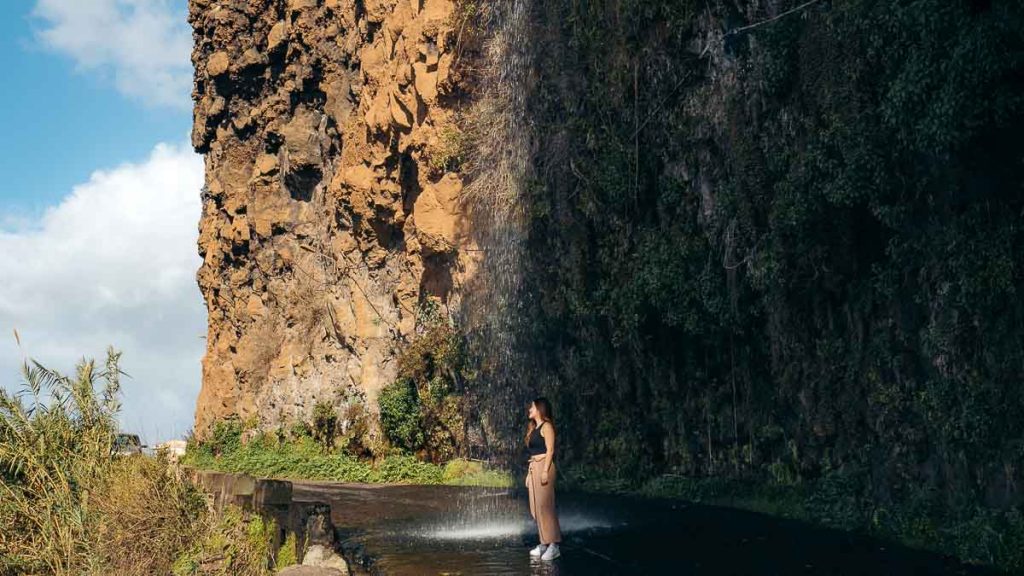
(48, 453)
(236, 544)
(302, 458)
(424, 410)
(288, 555)
(324, 426)
(448, 153)
(70, 507)
(460, 472)
(400, 414)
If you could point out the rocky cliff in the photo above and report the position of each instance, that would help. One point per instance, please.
(332, 199)
(781, 242)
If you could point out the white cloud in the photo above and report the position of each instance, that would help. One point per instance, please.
(114, 264)
(145, 44)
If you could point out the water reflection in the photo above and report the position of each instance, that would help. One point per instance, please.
(422, 530)
(539, 567)
(506, 526)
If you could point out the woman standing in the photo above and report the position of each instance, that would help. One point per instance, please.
(540, 479)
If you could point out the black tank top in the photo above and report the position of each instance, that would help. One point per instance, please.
(536, 445)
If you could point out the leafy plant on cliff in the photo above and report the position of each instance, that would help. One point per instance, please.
(448, 153)
(324, 425)
(423, 409)
(400, 414)
(356, 439)
(304, 459)
(225, 436)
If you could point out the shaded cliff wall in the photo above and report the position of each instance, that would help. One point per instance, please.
(784, 248)
(331, 206)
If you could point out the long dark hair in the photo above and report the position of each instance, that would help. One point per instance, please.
(543, 406)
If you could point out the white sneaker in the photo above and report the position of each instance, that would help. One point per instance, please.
(539, 550)
(551, 553)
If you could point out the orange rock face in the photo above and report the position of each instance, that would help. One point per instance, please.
(326, 216)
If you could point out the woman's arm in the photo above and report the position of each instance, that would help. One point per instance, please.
(548, 432)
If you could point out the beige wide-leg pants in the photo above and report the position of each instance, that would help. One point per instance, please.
(542, 501)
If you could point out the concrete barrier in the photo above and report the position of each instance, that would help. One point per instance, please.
(251, 493)
(272, 499)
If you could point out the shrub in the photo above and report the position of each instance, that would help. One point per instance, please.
(461, 472)
(434, 366)
(448, 152)
(226, 436)
(300, 429)
(143, 516)
(354, 440)
(444, 426)
(234, 543)
(287, 555)
(400, 414)
(407, 469)
(325, 425)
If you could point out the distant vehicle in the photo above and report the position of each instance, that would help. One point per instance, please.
(127, 445)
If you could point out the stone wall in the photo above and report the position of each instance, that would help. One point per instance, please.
(332, 204)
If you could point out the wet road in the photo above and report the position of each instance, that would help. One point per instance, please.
(430, 530)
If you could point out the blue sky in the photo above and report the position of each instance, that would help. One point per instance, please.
(99, 205)
(65, 121)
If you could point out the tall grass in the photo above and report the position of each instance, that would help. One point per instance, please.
(143, 516)
(68, 506)
(55, 445)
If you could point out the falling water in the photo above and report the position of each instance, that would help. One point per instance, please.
(499, 307)
(503, 134)
(492, 515)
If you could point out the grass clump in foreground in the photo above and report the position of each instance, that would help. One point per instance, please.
(235, 543)
(973, 534)
(301, 457)
(68, 506)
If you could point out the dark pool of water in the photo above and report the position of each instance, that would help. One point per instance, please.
(430, 530)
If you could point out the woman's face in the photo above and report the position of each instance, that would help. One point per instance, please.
(531, 413)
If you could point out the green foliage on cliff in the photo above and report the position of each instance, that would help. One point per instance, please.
(226, 436)
(325, 425)
(400, 414)
(303, 458)
(788, 254)
(421, 415)
(423, 410)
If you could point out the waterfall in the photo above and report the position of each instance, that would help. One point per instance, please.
(501, 129)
